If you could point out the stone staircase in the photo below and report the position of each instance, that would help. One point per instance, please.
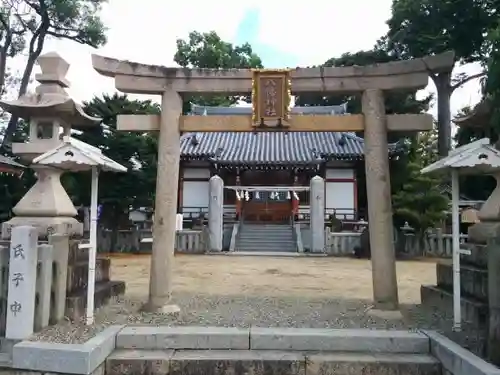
(265, 238)
(217, 350)
(77, 278)
(473, 285)
(473, 282)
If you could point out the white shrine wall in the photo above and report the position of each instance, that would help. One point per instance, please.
(340, 190)
(195, 187)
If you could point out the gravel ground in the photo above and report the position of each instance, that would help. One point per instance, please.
(241, 311)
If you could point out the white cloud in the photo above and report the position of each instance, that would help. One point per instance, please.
(314, 31)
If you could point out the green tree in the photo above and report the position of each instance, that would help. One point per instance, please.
(208, 50)
(12, 36)
(428, 27)
(38, 20)
(401, 102)
(13, 187)
(418, 199)
(405, 102)
(118, 192)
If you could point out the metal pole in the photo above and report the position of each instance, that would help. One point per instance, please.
(457, 312)
(93, 246)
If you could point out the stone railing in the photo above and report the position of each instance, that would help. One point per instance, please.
(430, 245)
(33, 282)
(187, 241)
(341, 243)
(126, 241)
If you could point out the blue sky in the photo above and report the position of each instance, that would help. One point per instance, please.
(248, 32)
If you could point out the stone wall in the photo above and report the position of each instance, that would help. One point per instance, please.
(77, 281)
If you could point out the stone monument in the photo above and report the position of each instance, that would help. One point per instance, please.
(317, 214)
(215, 213)
(50, 112)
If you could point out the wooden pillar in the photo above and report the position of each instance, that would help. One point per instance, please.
(385, 289)
(160, 284)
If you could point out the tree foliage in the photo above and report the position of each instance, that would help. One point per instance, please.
(401, 102)
(403, 177)
(31, 23)
(118, 192)
(417, 198)
(208, 50)
(428, 27)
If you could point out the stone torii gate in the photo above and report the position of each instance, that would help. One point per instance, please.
(370, 81)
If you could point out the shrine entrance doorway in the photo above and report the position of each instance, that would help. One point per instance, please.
(268, 207)
(265, 204)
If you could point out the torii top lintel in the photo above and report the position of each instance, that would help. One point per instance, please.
(138, 78)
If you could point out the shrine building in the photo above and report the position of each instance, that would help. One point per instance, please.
(252, 164)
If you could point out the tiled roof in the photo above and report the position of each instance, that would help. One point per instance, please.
(234, 111)
(272, 147)
(304, 148)
(10, 163)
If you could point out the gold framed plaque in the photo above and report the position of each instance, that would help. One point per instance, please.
(271, 97)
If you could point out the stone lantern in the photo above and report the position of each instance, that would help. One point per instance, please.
(51, 113)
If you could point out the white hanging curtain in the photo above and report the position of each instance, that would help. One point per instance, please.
(247, 196)
(288, 196)
(295, 195)
(238, 197)
(257, 195)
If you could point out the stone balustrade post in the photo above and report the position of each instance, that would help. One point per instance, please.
(378, 190)
(44, 286)
(60, 251)
(167, 178)
(22, 283)
(317, 202)
(216, 213)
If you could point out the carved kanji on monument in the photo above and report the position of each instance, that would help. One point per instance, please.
(271, 96)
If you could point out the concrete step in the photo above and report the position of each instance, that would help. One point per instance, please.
(265, 250)
(295, 339)
(474, 280)
(473, 311)
(265, 245)
(265, 231)
(239, 362)
(264, 240)
(266, 236)
(264, 227)
(270, 233)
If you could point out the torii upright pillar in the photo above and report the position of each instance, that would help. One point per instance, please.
(167, 177)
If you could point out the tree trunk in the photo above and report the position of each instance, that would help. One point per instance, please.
(35, 49)
(3, 69)
(444, 91)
